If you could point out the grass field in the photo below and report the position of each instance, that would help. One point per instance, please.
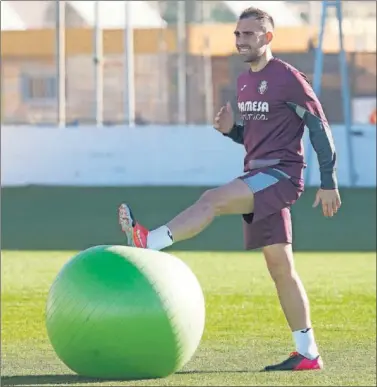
(245, 328)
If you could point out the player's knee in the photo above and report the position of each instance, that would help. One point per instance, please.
(281, 271)
(212, 200)
(279, 261)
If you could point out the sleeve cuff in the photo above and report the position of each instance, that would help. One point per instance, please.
(329, 180)
(231, 133)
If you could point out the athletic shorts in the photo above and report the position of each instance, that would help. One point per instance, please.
(274, 193)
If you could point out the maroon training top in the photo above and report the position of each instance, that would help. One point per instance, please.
(277, 104)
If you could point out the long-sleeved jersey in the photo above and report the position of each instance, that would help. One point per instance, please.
(277, 104)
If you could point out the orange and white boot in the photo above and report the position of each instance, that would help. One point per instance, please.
(136, 234)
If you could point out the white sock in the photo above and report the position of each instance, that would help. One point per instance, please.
(305, 343)
(160, 238)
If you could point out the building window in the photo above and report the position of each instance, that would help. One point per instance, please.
(40, 88)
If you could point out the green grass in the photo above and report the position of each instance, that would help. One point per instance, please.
(245, 328)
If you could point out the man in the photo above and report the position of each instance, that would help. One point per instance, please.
(277, 104)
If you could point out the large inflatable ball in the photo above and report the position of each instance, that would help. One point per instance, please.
(118, 312)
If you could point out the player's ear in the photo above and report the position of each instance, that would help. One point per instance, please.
(269, 36)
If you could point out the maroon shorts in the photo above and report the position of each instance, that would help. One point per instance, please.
(274, 193)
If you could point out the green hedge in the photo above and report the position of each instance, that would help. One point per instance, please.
(71, 218)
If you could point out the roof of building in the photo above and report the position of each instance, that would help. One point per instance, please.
(112, 14)
(10, 20)
(33, 14)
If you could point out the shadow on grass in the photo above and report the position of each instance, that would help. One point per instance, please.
(30, 380)
(37, 380)
(193, 372)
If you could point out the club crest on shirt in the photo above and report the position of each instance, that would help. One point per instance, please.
(262, 88)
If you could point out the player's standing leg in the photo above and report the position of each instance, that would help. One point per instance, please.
(234, 198)
(295, 305)
(270, 228)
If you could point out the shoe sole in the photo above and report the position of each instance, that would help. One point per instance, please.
(126, 223)
(319, 367)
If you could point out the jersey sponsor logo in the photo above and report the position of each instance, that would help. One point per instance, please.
(254, 110)
(254, 107)
(262, 88)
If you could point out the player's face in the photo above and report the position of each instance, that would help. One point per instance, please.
(251, 39)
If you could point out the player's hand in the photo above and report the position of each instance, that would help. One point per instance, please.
(330, 200)
(224, 119)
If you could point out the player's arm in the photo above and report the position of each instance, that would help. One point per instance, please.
(306, 105)
(236, 133)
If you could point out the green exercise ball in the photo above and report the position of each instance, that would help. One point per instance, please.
(116, 312)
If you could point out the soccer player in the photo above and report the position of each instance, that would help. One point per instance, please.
(277, 104)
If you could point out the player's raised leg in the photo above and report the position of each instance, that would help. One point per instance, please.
(295, 304)
(234, 198)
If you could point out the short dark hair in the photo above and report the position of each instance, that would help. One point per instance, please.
(257, 14)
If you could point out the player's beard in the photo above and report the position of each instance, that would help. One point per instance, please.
(253, 56)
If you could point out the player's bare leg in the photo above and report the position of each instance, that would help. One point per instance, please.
(291, 292)
(295, 304)
(230, 199)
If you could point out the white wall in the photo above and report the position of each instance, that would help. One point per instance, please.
(148, 155)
